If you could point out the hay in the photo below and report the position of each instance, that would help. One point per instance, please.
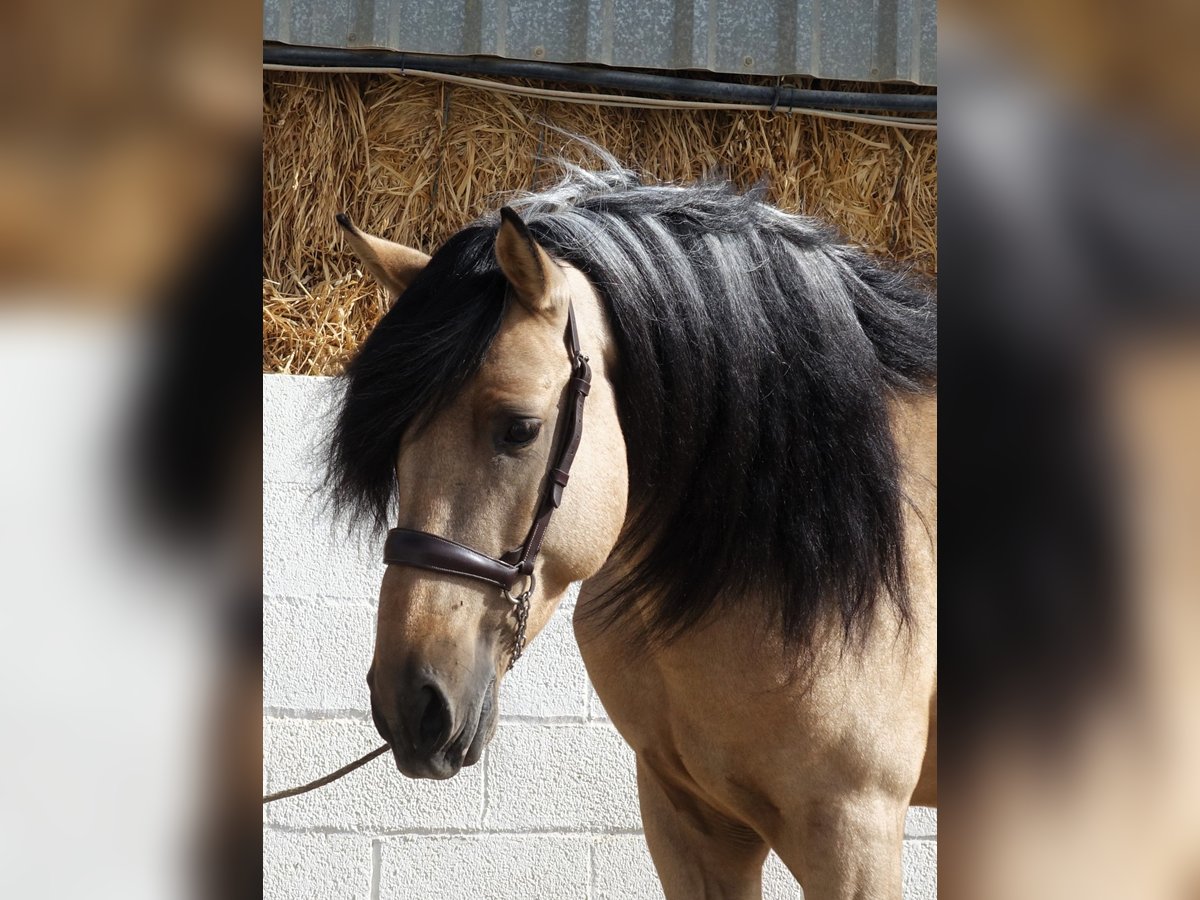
(414, 160)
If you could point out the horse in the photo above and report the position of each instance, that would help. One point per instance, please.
(751, 511)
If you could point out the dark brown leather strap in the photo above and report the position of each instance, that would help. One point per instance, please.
(406, 547)
(428, 551)
(560, 472)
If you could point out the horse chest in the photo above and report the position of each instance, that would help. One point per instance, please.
(633, 690)
(688, 726)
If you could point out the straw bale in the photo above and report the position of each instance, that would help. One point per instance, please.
(415, 160)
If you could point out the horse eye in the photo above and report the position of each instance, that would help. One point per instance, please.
(521, 432)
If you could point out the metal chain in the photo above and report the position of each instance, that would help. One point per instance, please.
(521, 608)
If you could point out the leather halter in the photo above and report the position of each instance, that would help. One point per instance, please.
(423, 550)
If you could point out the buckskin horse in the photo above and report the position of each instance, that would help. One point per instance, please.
(744, 407)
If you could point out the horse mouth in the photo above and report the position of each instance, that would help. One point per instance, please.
(466, 748)
(485, 726)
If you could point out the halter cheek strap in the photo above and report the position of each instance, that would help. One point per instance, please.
(423, 550)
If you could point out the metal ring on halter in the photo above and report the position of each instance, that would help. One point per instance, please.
(524, 595)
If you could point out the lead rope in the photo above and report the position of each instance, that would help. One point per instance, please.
(327, 779)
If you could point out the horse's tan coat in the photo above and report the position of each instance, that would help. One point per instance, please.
(736, 753)
(734, 757)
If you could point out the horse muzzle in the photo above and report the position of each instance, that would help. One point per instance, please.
(432, 732)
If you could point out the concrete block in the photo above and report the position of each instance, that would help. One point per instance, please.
(921, 822)
(305, 554)
(316, 653)
(375, 798)
(568, 777)
(549, 680)
(315, 866)
(496, 867)
(297, 411)
(920, 869)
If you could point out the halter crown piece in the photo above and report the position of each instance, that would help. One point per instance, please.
(423, 550)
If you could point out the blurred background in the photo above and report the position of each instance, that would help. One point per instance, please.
(130, 620)
(1070, 485)
(130, 353)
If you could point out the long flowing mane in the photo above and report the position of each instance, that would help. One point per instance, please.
(757, 354)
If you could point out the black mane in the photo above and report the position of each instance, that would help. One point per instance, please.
(757, 355)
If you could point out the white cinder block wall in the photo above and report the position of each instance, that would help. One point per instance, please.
(549, 812)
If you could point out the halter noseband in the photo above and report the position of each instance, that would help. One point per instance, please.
(423, 550)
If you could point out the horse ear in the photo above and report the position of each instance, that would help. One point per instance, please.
(535, 279)
(394, 266)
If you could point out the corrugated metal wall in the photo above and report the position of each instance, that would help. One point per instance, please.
(854, 40)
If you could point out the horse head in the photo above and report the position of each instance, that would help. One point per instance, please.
(464, 388)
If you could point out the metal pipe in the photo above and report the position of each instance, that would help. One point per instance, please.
(781, 97)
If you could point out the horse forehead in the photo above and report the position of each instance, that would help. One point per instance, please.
(527, 355)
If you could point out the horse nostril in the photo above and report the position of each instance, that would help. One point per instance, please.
(433, 726)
